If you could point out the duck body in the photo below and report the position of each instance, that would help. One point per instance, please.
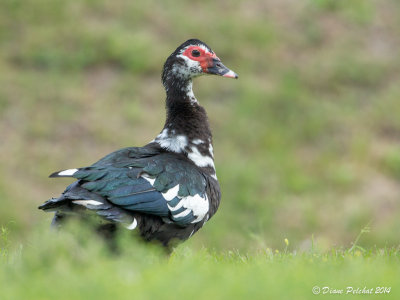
(167, 189)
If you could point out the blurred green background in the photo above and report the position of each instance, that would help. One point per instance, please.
(306, 141)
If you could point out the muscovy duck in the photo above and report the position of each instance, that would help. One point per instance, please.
(167, 189)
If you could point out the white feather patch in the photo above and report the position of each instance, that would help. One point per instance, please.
(211, 150)
(163, 135)
(196, 204)
(149, 179)
(197, 141)
(68, 172)
(188, 89)
(171, 193)
(199, 159)
(174, 208)
(175, 143)
(191, 69)
(183, 214)
(85, 203)
(132, 225)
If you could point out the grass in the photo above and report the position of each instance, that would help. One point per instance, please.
(75, 264)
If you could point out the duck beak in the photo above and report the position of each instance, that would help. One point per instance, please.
(217, 68)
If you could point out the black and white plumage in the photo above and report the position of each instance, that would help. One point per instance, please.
(167, 189)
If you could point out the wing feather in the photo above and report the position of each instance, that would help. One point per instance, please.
(118, 178)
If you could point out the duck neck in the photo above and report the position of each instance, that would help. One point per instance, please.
(186, 129)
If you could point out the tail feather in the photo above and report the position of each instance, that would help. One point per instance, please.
(64, 173)
(54, 204)
(76, 200)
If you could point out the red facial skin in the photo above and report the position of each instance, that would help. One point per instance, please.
(205, 59)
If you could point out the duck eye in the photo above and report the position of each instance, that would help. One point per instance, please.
(196, 53)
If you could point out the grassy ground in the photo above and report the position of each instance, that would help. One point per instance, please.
(307, 141)
(76, 265)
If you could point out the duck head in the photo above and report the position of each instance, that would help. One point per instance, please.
(191, 59)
